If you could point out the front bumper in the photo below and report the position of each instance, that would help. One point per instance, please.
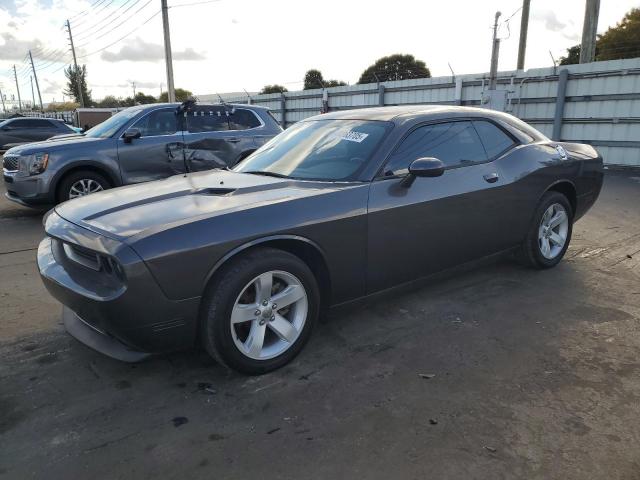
(130, 315)
(27, 190)
(98, 340)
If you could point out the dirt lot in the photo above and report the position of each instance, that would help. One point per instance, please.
(537, 375)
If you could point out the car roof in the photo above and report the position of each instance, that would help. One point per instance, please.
(150, 106)
(30, 118)
(409, 112)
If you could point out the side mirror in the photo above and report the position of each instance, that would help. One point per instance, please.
(130, 134)
(423, 167)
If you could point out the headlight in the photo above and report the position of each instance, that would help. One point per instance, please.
(38, 163)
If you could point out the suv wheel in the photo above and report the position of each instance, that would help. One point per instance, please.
(260, 311)
(81, 183)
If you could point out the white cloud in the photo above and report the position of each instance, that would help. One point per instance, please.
(139, 50)
(236, 44)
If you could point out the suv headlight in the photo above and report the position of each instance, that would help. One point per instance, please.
(37, 163)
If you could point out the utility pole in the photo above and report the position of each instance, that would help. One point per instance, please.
(495, 51)
(37, 85)
(4, 109)
(133, 84)
(171, 91)
(15, 75)
(524, 26)
(33, 97)
(589, 31)
(75, 63)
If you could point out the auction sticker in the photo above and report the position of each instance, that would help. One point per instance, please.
(354, 136)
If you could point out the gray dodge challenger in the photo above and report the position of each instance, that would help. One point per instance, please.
(337, 208)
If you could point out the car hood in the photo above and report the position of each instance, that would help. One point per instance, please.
(147, 208)
(54, 144)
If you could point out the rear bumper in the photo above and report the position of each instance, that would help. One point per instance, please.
(125, 319)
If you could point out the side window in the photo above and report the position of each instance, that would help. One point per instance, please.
(207, 119)
(159, 122)
(44, 124)
(20, 124)
(454, 143)
(495, 141)
(242, 119)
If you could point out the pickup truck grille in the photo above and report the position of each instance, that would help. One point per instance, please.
(10, 162)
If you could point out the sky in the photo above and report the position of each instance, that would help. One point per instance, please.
(229, 45)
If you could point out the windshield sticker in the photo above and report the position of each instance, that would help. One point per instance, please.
(354, 136)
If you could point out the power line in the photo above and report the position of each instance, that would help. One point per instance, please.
(92, 31)
(117, 26)
(86, 12)
(98, 10)
(193, 3)
(121, 38)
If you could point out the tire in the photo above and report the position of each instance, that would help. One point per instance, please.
(237, 285)
(534, 252)
(85, 177)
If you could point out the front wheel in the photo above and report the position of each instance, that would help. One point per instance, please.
(260, 310)
(81, 183)
(550, 232)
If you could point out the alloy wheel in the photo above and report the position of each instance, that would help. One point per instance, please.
(553, 231)
(269, 315)
(83, 187)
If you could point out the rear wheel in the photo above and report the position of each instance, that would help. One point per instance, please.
(260, 311)
(81, 183)
(550, 232)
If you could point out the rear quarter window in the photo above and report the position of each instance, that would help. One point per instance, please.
(495, 140)
(242, 119)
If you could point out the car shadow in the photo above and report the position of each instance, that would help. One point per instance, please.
(441, 371)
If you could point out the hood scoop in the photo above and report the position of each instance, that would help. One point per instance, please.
(211, 191)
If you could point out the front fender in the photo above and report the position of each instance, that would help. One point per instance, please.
(257, 242)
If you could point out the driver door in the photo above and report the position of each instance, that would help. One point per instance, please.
(435, 223)
(158, 153)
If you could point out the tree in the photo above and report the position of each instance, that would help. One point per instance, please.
(395, 67)
(181, 96)
(313, 79)
(573, 56)
(77, 82)
(142, 99)
(62, 106)
(109, 102)
(274, 89)
(621, 41)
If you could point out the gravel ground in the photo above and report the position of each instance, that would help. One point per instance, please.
(526, 374)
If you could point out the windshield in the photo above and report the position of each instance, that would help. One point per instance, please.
(112, 124)
(318, 150)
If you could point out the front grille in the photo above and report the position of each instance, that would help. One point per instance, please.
(10, 162)
(82, 256)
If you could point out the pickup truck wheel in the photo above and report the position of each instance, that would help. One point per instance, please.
(260, 311)
(81, 183)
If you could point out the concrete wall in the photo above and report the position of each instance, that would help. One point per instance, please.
(602, 102)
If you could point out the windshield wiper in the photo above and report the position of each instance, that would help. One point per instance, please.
(267, 174)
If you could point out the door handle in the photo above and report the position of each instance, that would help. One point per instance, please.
(233, 140)
(491, 177)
